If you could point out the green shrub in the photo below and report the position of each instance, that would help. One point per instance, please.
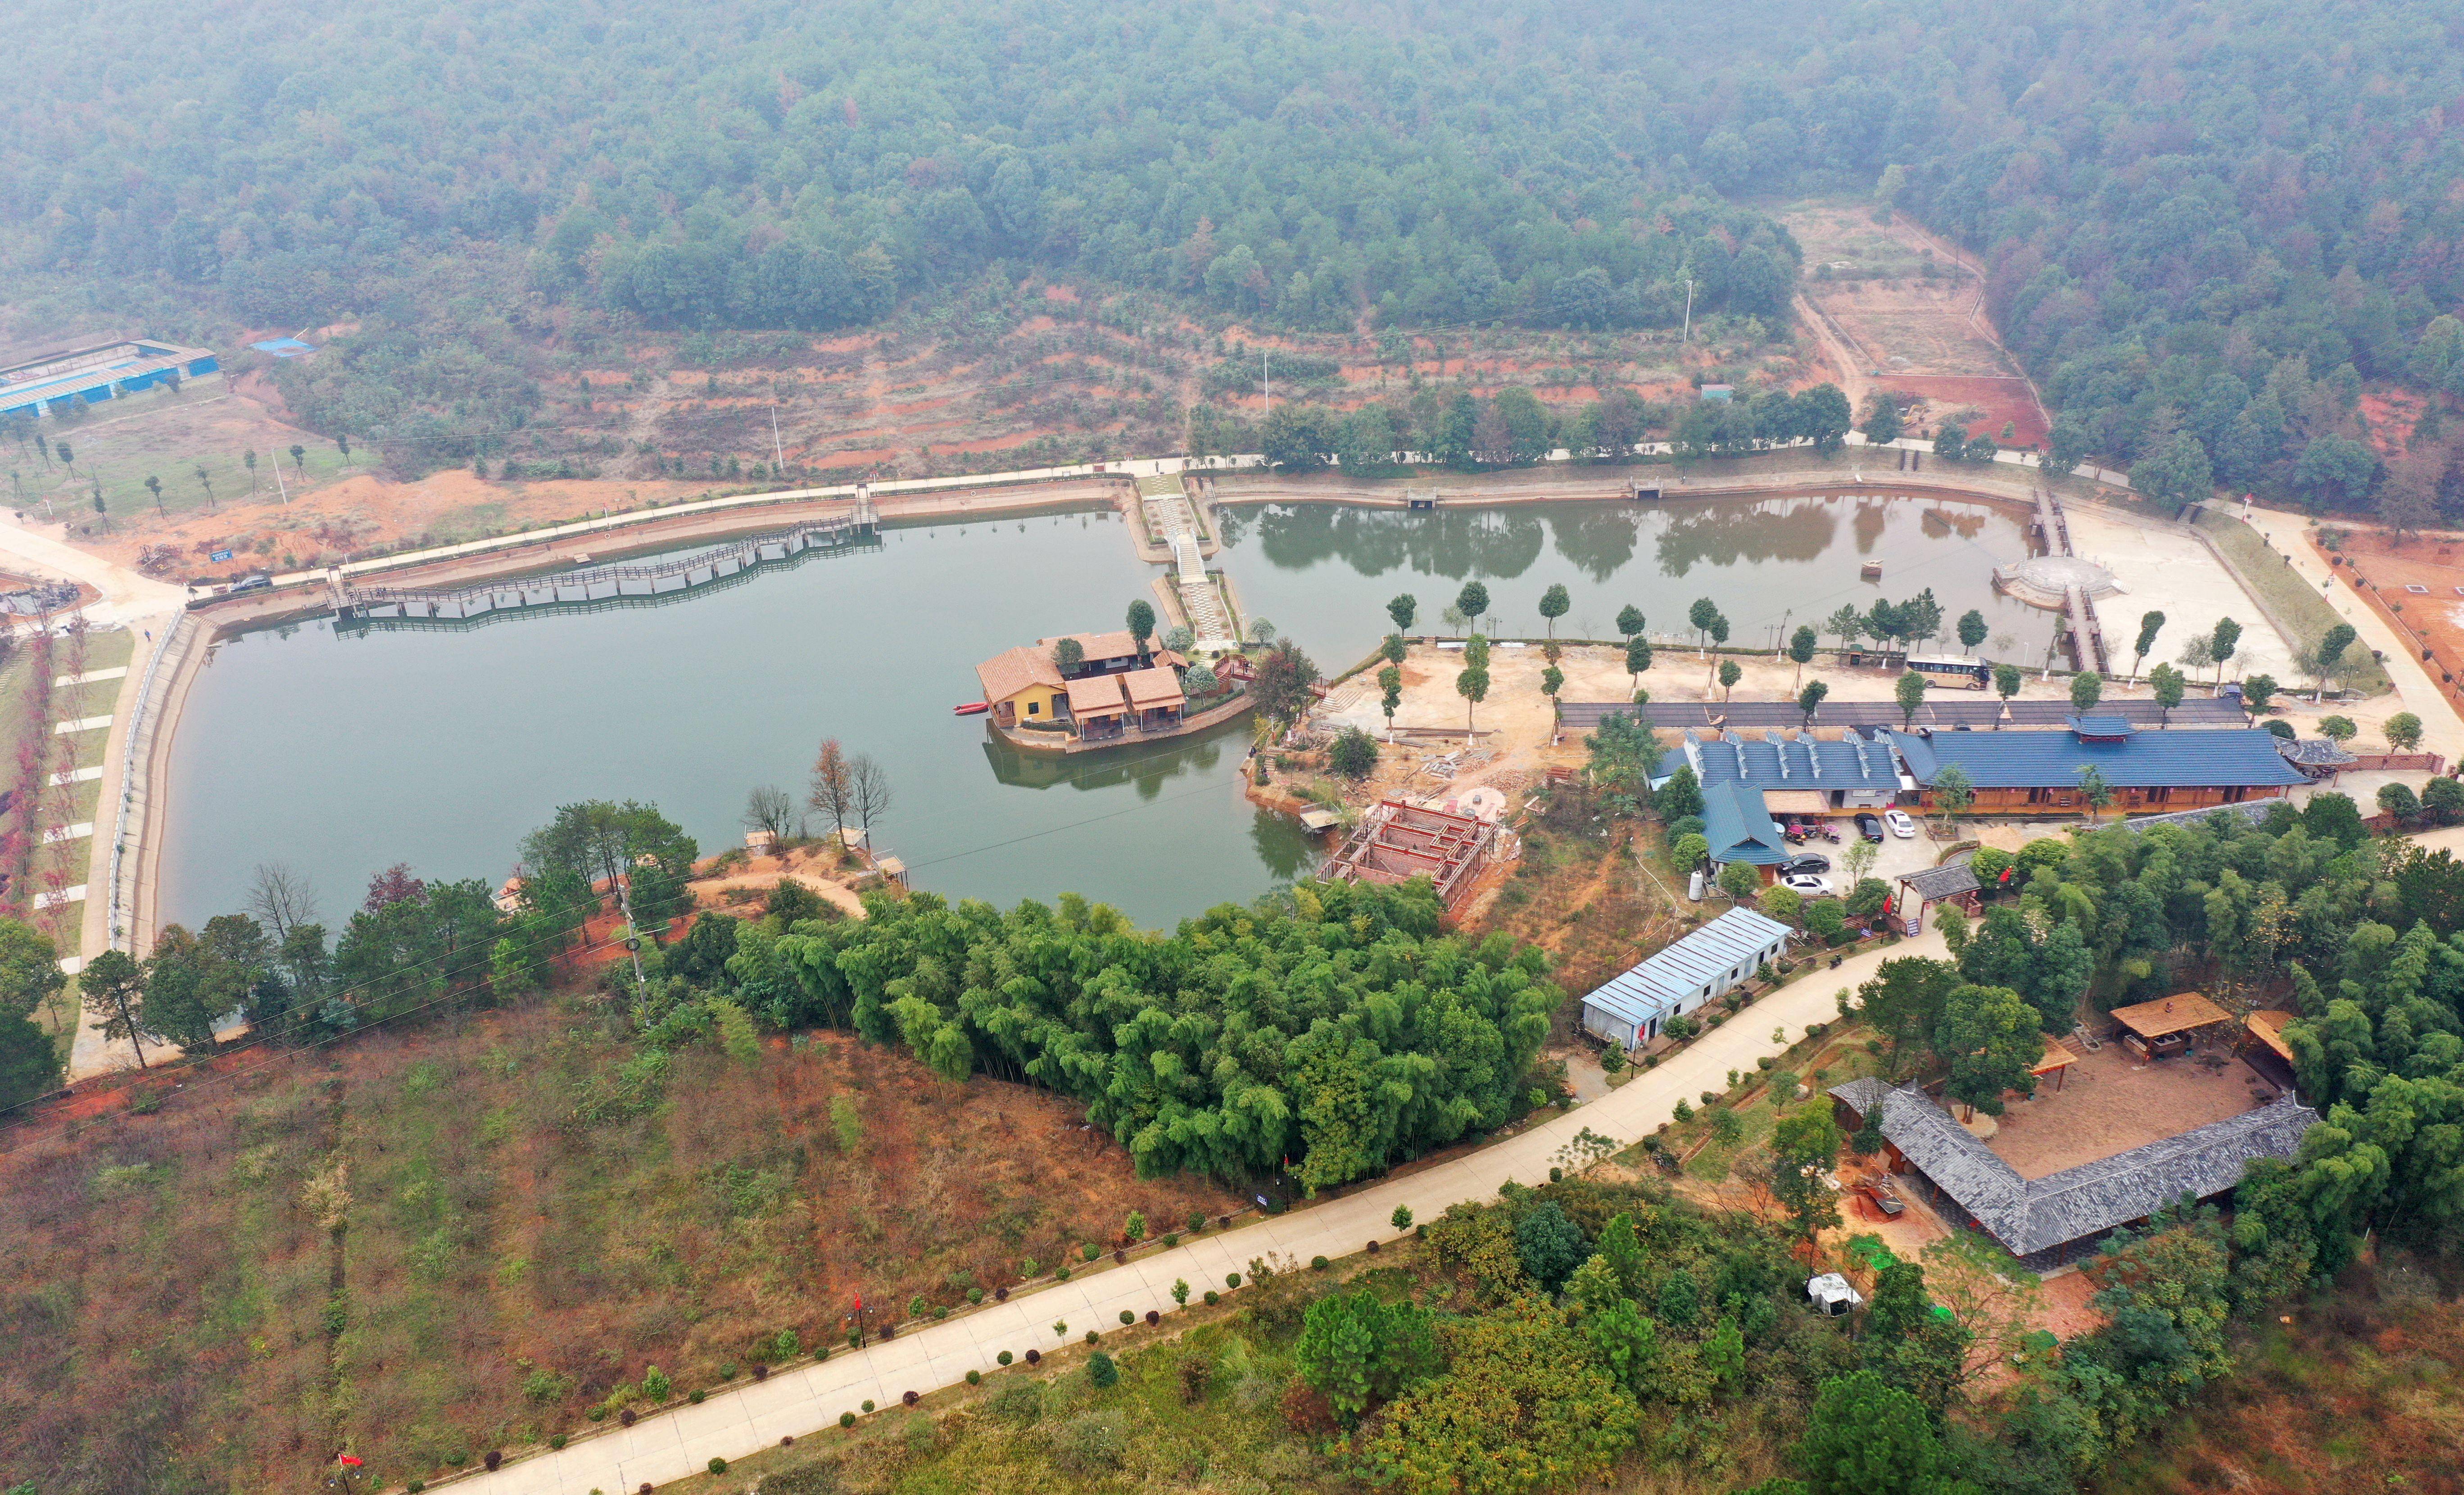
(1093, 1443)
(557, 1440)
(846, 1420)
(1317, 1264)
(866, 1404)
(1196, 1222)
(1018, 1401)
(1090, 1251)
(655, 1385)
(1128, 1317)
(1101, 1371)
(1135, 1228)
(1232, 1279)
(1402, 1219)
(1212, 1297)
(975, 1295)
(718, 1466)
(1092, 1336)
(975, 1377)
(415, 1486)
(1060, 1274)
(1002, 1358)
(696, 1396)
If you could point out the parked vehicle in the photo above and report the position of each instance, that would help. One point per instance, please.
(252, 583)
(1884, 1200)
(1810, 862)
(1806, 882)
(1869, 827)
(1901, 825)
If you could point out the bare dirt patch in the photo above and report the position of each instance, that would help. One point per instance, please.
(1897, 309)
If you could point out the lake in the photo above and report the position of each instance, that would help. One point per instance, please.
(343, 753)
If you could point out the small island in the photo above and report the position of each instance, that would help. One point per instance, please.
(1083, 692)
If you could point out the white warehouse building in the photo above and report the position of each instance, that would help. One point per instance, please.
(1712, 961)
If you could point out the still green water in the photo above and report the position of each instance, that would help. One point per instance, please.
(342, 754)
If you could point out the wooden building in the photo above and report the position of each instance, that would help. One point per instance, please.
(2045, 772)
(2168, 1025)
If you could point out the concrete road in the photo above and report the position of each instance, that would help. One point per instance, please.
(126, 596)
(733, 1423)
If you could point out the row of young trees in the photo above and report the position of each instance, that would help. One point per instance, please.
(1512, 428)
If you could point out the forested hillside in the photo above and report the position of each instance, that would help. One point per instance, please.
(2207, 223)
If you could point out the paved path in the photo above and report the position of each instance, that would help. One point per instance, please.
(126, 596)
(733, 1423)
(2441, 732)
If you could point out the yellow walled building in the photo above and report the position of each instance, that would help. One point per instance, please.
(1024, 687)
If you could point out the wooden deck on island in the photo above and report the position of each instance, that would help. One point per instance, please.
(1057, 744)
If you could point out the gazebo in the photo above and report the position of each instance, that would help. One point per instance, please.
(2164, 1027)
(2056, 1062)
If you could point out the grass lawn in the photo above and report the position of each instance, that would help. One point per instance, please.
(169, 437)
(2301, 613)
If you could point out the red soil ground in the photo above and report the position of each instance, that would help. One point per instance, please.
(2000, 399)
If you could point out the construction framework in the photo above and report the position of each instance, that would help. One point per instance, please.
(1396, 842)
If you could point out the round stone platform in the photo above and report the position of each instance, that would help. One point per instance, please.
(2046, 580)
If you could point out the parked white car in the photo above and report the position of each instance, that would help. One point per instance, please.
(1806, 882)
(1901, 825)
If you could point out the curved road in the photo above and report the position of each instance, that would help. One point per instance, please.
(796, 1403)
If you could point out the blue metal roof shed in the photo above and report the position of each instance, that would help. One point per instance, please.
(2225, 758)
(1630, 1009)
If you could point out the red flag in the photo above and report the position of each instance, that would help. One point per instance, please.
(859, 1301)
(347, 1461)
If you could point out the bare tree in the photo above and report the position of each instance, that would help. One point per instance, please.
(833, 786)
(868, 793)
(280, 898)
(769, 809)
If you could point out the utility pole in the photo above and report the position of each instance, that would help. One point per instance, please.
(1266, 374)
(775, 449)
(633, 932)
(279, 486)
(1689, 309)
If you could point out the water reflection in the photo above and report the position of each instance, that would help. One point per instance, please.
(1767, 563)
(1449, 542)
(1149, 767)
(1733, 534)
(1288, 851)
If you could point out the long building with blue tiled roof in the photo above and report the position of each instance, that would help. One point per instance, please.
(2044, 773)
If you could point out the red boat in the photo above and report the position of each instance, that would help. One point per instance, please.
(971, 709)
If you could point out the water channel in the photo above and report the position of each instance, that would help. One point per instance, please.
(343, 754)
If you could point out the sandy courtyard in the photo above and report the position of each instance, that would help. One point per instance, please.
(2177, 576)
(2113, 1102)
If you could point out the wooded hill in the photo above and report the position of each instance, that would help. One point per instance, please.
(2204, 226)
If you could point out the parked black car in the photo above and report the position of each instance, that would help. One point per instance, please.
(1869, 827)
(1808, 863)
